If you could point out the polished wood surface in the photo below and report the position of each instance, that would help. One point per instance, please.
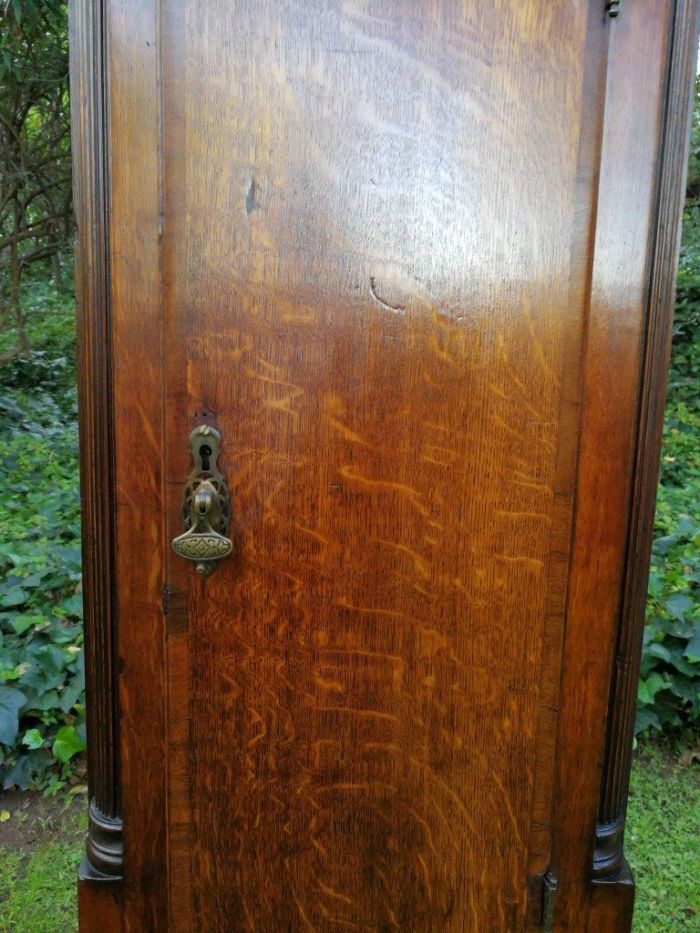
(665, 235)
(100, 906)
(399, 254)
(619, 283)
(90, 198)
(375, 278)
(136, 290)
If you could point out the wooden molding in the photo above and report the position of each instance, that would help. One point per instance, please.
(608, 859)
(608, 862)
(88, 97)
(104, 851)
(612, 904)
(99, 907)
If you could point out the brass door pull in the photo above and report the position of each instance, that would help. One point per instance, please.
(205, 506)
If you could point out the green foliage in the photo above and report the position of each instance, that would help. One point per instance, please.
(693, 185)
(669, 689)
(41, 658)
(687, 313)
(35, 178)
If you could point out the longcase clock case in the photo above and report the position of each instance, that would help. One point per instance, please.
(374, 304)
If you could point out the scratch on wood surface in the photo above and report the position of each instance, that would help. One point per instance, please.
(395, 309)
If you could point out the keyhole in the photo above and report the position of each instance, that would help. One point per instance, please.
(205, 453)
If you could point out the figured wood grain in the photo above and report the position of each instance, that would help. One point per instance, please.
(580, 273)
(376, 243)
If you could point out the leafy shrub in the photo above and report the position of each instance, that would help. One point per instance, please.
(669, 689)
(41, 656)
(687, 311)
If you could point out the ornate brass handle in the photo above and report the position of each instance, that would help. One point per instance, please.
(205, 509)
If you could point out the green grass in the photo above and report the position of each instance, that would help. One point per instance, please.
(39, 893)
(38, 879)
(662, 843)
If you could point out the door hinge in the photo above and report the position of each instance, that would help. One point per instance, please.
(612, 8)
(550, 886)
(542, 889)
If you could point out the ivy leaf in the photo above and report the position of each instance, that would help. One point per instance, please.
(10, 554)
(663, 545)
(32, 739)
(655, 650)
(13, 596)
(681, 663)
(686, 523)
(20, 775)
(73, 605)
(11, 702)
(692, 649)
(677, 605)
(649, 688)
(67, 744)
(23, 621)
(646, 719)
(41, 700)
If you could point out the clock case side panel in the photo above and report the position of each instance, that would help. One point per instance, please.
(116, 162)
(100, 873)
(609, 864)
(103, 856)
(628, 343)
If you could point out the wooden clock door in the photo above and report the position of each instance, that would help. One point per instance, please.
(393, 259)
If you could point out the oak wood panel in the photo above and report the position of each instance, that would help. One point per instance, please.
(174, 72)
(375, 278)
(136, 291)
(634, 104)
(361, 707)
